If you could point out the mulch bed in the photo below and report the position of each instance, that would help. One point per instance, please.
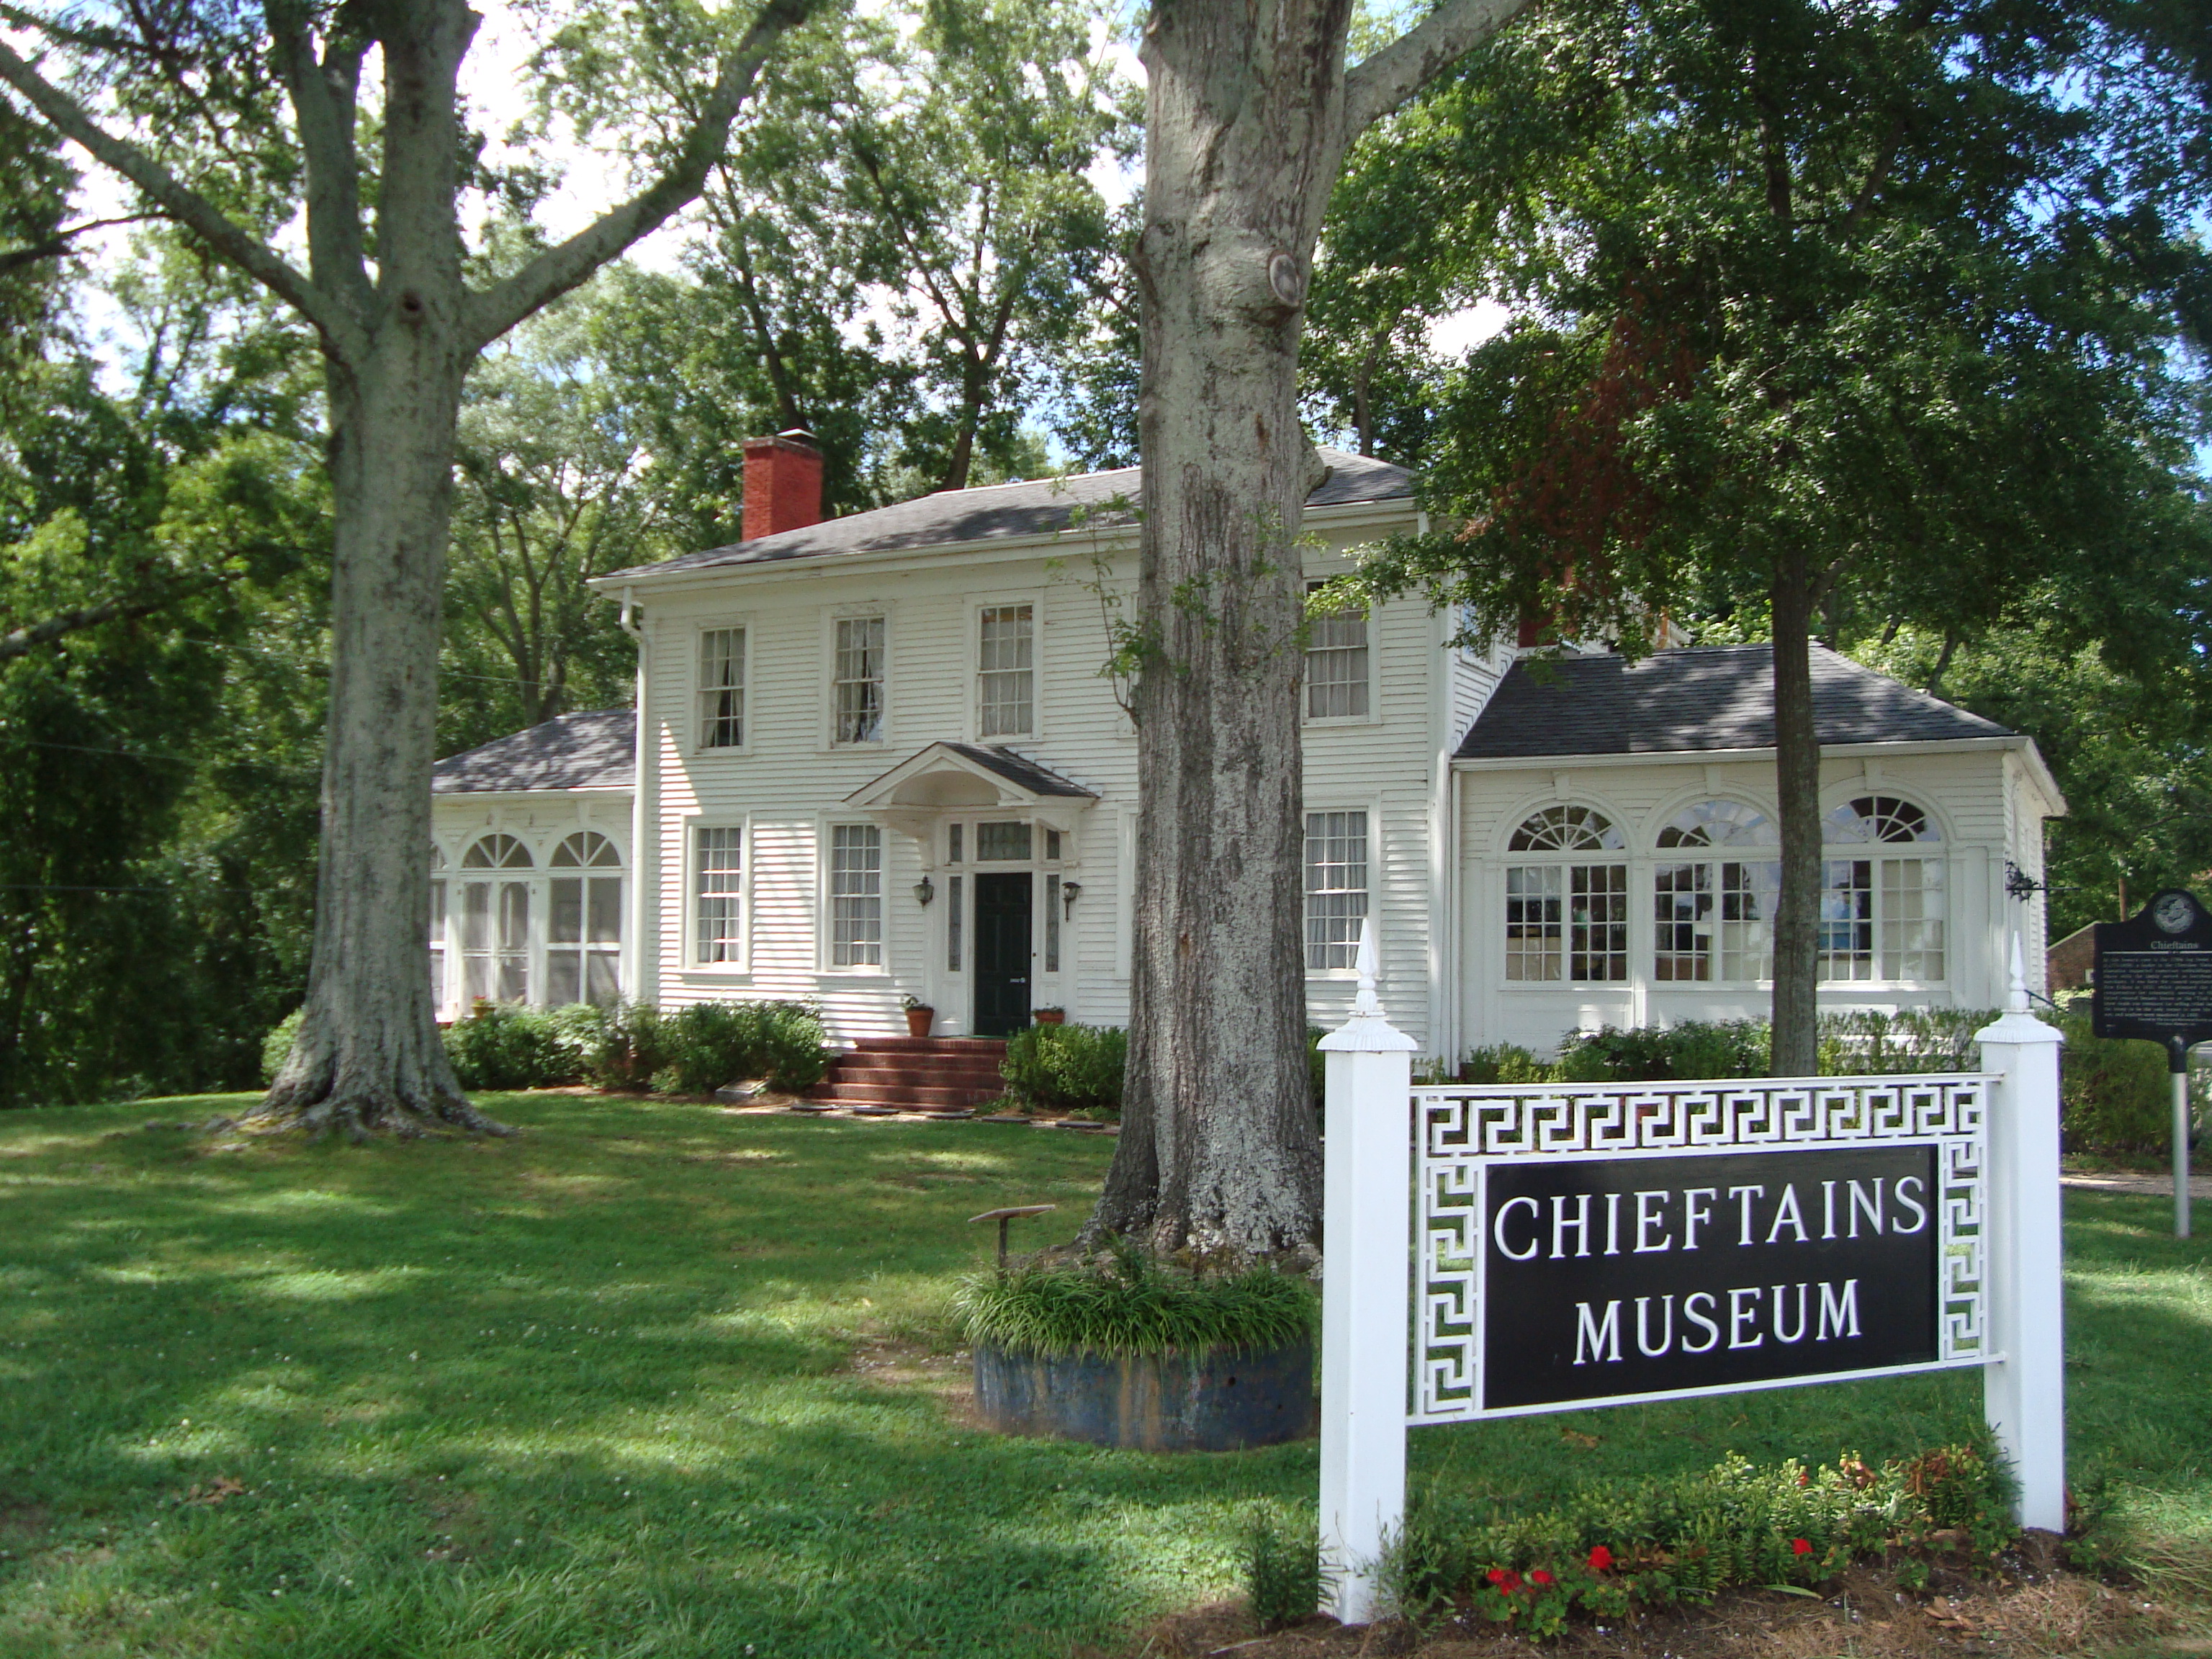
(2027, 1609)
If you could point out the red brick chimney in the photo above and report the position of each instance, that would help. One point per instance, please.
(783, 484)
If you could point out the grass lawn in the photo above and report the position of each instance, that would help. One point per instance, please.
(594, 1391)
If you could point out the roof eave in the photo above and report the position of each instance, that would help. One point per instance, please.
(2012, 740)
(994, 550)
(437, 794)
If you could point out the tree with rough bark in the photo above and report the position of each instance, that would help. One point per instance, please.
(1248, 112)
(1837, 312)
(382, 173)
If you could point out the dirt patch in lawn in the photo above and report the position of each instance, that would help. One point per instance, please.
(20, 1519)
(2033, 1616)
(894, 1365)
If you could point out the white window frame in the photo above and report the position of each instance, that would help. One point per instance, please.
(1369, 716)
(1880, 855)
(695, 680)
(830, 619)
(1624, 857)
(693, 824)
(1369, 914)
(1714, 859)
(826, 910)
(1034, 600)
(586, 948)
(439, 937)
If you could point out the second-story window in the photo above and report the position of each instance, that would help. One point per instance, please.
(1007, 681)
(722, 688)
(1336, 664)
(860, 679)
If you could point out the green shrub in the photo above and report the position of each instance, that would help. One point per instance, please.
(1067, 1066)
(1282, 1566)
(699, 1048)
(504, 1045)
(1682, 1538)
(1652, 1053)
(1127, 1304)
(1503, 1063)
(277, 1046)
(632, 1046)
(2115, 1093)
(1933, 1040)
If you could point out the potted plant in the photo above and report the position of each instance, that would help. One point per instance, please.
(1120, 1351)
(1049, 1016)
(919, 1016)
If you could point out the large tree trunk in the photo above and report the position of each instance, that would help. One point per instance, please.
(1797, 785)
(1219, 1155)
(368, 1056)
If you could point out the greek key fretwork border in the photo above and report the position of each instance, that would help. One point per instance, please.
(1459, 1132)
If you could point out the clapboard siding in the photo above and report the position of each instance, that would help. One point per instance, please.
(1982, 798)
(788, 785)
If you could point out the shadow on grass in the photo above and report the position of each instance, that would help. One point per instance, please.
(584, 1392)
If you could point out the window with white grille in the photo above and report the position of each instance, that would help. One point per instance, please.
(1006, 685)
(722, 688)
(859, 679)
(718, 869)
(1566, 917)
(856, 896)
(1336, 664)
(1882, 914)
(495, 921)
(583, 922)
(438, 992)
(1714, 917)
(1336, 888)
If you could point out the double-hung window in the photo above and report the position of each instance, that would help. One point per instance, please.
(722, 688)
(1714, 916)
(1007, 671)
(1336, 664)
(438, 992)
(1881, 910)
(856, 896)
(1566, 911)
(1336, 888)
(718, 867)
(858, 680)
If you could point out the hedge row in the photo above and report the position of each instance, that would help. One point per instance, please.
(634, 1048)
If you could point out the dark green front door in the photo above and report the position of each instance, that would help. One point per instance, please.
(1002, 951)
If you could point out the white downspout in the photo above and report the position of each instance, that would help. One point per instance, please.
(634, 948)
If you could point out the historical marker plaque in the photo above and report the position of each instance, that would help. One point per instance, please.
(2153, 976)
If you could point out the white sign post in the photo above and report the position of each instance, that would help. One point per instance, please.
(1999, 1288)
(2024, 1387)
(1367, 1189)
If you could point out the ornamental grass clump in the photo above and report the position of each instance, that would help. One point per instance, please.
(1682, 1540)
(1126, 1304)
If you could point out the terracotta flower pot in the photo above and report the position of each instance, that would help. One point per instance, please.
(1049, 1016)
(919, 1020)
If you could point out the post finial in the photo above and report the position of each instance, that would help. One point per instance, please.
(2016, 1000)
(1365, 1002)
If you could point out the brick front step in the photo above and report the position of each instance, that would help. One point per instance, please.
(899, 1094)
(941, 1072)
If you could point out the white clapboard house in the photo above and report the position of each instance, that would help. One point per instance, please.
(875, 757)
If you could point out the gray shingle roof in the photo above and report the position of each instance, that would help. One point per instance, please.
(1016, 768)
(1717, 697)
(1003, 512)
(597, 750)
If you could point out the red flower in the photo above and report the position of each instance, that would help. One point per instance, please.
(1800, 1546)
(1599, 1558)
(1540, 1576)
(1504, 1578)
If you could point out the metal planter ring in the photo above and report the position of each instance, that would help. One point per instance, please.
(1210, 1399)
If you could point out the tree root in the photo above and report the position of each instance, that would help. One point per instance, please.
(361, 1115)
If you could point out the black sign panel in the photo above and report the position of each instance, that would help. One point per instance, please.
(1610, 1277)
(2153, 976)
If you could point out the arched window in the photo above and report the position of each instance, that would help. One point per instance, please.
(1714, 915)
(438, 990)
(1567, 913)
(583, 935)
(1882, 913)
(495, 923)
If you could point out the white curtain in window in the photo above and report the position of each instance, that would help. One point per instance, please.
(1336, 664)
(718, 879)
(1007, 685)
(722, 688)
(860, 679)
(1336, 888)
(856, 896)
